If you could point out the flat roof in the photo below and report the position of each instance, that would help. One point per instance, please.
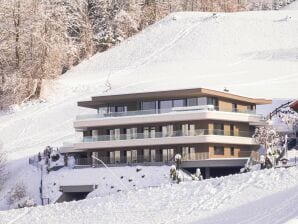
(173, 94)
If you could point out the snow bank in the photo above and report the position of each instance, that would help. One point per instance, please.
(184, 203)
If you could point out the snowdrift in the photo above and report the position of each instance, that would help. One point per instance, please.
(240, 196)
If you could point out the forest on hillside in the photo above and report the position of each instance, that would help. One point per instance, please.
(42, 39)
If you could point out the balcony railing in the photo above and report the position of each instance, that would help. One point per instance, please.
(197, 132)
(131, 160)
(162, 111)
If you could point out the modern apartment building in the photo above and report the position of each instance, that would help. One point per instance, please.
(212, 130)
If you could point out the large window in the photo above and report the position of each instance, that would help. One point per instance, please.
(218, 129)
(202, 101)
(219, 150)
(192, 102)
(212, 101)
(178, 103)
(188, 129)
(165, 104)
(149, 105)
(114, 109)
(234, 107)
(232, 151)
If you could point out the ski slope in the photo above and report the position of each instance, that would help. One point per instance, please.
(267, 196)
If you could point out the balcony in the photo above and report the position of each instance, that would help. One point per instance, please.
(178, 114)
(197, 132)
(162, 139)
(162, 111)
(158, 159)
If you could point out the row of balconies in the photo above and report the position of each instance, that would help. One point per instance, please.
(196, 132)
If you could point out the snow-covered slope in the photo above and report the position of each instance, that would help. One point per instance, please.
(108, 181)
(250, 53)
(268, 196)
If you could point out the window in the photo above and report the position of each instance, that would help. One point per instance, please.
(146, 155)
(192, 153)
(188, 129)
(234, 107)
(146, 132)
(218, 129)
(102, 110)
(219, 150)
(202, 101)
(232, 151)
(134, 133)
(128, 156)
(115, 109)
(153, 155)
(185, 153)
(150, 105)
(134, 156)
(250, 108)
(117, 157)
(166, 104)
(178, 103)
(212, 101)
(167, 130)
(231, 129)
(192, 102)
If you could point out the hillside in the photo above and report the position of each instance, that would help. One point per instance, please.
(250, 53)
(256, 197)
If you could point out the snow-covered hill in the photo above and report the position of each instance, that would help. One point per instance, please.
(268, 196)
(250, 53)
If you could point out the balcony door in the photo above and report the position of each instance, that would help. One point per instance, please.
(167, 130)
(188, 129)
(188, 153)
(167, 155)
(218, 129)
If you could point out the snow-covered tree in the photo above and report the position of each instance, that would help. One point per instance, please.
(18, 197)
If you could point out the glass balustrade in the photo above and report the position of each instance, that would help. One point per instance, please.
(197, 132)
(162, 111)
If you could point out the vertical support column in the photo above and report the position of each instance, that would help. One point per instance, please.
(207, 173)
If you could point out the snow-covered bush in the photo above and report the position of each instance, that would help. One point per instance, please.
(267, 136)
(18, 197)
(55, 156)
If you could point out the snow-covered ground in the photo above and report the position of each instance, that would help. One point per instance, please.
(267, 196)
(251, 53)
(108, 181)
